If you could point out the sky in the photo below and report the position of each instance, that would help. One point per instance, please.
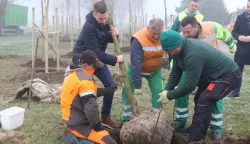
(152, 7)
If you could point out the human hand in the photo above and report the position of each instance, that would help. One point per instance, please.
(247, 38)
(114, 32)
(242, 38)
(138, 92)
(233, 49)
(120, 59)
(163, 97)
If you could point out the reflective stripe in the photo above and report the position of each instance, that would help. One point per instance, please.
(159, 48)
(181, 116)
(216, 123)
(87, 93)
(209, 38)
(155, 109)
(126, 107)
(152, 48)
(217, 115)
(149, 48)
(126, 113)
(181, 109)
(146, 74)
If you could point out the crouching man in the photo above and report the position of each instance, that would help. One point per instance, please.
(215, 74)
(78, 102)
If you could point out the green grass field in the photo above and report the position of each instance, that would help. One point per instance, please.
(43, 123)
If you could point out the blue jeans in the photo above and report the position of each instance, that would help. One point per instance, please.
(104, 75)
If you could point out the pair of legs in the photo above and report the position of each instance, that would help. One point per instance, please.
(155, 82)
(181, 112)
(205, 98)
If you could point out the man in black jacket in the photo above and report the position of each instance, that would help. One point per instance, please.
(95, 36)
(241, 32)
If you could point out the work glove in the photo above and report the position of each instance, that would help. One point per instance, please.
(106, 91)
(163, 97)
(138, 92)
(233, 49)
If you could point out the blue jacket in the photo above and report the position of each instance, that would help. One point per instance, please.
(96, 38)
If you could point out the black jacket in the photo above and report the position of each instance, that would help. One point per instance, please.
(242, 27)
(96, 38)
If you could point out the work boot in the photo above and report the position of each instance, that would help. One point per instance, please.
(216, 136)
(108, 122)
(178, 128)
(182, 129)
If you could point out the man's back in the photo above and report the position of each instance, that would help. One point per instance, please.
(213, 62)
(76, 85)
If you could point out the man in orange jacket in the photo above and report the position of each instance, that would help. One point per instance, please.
(145, 61)
(78, 101)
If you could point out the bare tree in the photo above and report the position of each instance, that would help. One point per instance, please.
(3, 5)
(166, 13)
(130, 19)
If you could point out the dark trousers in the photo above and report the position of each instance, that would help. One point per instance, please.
(205, 98)
(104, 75)
(236, 92)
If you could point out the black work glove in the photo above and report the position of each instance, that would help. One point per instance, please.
(98, 127)
(106, 91)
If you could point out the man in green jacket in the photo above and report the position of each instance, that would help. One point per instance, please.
(215, 75)
(192, 10)
(208, 32)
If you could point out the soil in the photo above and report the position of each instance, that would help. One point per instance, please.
(236, 141)
(51, 77)
(40, 63)
(11, 138)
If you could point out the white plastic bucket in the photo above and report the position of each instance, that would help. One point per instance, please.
(12, 118)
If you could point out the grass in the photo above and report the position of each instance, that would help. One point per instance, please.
(43, 123)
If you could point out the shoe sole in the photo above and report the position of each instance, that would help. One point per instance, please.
(107, 126)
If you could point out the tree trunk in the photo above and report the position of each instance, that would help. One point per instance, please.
(130, 19)
(166, 14)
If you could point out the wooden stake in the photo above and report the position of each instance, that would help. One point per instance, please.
(32, 74)
(57, 41)
(79, 17)
(33, 37)
(54, 37)
(46, 51)
(123, 70)
(72, 32)
(62, 26)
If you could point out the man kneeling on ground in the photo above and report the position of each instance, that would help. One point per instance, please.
(78, 102)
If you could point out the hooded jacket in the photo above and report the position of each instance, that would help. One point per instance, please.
(96, 38)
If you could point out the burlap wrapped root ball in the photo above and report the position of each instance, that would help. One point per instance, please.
(143, 129)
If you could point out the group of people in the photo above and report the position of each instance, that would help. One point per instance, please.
(192, 46)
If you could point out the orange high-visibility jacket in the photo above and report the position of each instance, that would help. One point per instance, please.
(212, 31)
(153, 53)
(78, 99)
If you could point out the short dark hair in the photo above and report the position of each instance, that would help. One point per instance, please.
(100, 7)
(194, 0)
(189, 20)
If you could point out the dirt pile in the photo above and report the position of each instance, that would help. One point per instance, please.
(11, 138)
(51, 77)
(40, 63)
